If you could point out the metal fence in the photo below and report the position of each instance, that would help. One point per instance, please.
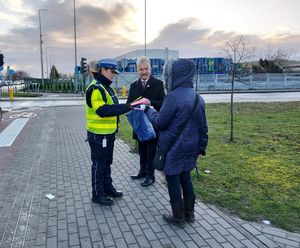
(263, 81)
(207, 82)
(202, 82)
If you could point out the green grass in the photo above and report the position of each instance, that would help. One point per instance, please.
(257, 175)
(125, 133)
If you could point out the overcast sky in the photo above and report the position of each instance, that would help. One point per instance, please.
(109, 28)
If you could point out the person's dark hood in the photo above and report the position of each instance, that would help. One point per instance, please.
(179, 73)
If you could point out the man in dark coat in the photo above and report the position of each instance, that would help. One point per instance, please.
(153, 89)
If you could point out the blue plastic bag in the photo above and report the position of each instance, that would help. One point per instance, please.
(141, 125)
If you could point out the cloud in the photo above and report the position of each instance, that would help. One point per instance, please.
(14, 12)
(107, 32)
(99, 33)
(190, 40)
(16, 6)
(193, 41)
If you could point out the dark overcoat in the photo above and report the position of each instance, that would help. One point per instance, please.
(154, 91)
(176, 108)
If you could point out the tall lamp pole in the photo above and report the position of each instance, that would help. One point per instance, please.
(76, 73)
(41, 46)
(145, 25)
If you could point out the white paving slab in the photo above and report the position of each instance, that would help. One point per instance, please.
(11, 132)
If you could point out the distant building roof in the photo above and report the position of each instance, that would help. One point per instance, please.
(151, 53)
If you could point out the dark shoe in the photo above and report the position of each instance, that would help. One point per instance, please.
(176, 222)
(114, 193)
(189, 204)
(148, 181)
(177, 216)
(104, 200)
(138, 176)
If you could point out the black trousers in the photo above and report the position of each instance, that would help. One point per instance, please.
(147, 152)
(176, 183)
(102, 158)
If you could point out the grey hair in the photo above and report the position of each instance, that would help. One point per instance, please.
(142, 60)
(167, 73)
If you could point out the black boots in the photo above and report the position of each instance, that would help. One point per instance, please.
(148, 181)
(114, 193)
(102, 200)
(177, 216)
(181, 212)
(138, 176)
(189, 204)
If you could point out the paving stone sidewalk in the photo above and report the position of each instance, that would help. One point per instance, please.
(52, 157)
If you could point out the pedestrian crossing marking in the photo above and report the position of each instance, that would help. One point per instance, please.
(11, 132)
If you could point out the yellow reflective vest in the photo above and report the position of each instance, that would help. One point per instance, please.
(95, 123)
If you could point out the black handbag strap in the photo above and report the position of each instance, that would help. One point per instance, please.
(184, 124)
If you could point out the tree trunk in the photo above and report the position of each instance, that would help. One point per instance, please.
(231, 107)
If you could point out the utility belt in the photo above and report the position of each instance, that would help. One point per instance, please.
(101, 139)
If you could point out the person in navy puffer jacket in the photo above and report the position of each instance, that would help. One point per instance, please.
(182, 157)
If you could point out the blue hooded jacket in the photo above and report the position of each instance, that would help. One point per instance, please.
(176, 108)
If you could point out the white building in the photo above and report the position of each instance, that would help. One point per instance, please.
(151, 54)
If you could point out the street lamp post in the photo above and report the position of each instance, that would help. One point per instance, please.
(41, 46)
(76, 73)
(145, 25)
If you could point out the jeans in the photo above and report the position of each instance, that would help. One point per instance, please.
(176, 182)
(102, 157)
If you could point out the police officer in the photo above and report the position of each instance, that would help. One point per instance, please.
(102, 111)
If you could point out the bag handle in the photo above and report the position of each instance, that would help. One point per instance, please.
(184, 124)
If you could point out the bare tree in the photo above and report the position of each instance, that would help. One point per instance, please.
(239, 51)
(280, 56)
(20, 75)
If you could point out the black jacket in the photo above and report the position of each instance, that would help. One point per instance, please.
(154, 91)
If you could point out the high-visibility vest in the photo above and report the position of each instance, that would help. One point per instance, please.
(95, 123)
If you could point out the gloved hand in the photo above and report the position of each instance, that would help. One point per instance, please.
(147, 108)
(140, 107)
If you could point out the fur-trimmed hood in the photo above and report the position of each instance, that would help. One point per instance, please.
(179, 73)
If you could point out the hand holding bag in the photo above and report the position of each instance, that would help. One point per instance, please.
(141, 125)
(160, 155)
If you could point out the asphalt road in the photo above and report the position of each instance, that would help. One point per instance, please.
(57, 100)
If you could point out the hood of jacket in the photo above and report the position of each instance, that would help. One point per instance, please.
(179, 73)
